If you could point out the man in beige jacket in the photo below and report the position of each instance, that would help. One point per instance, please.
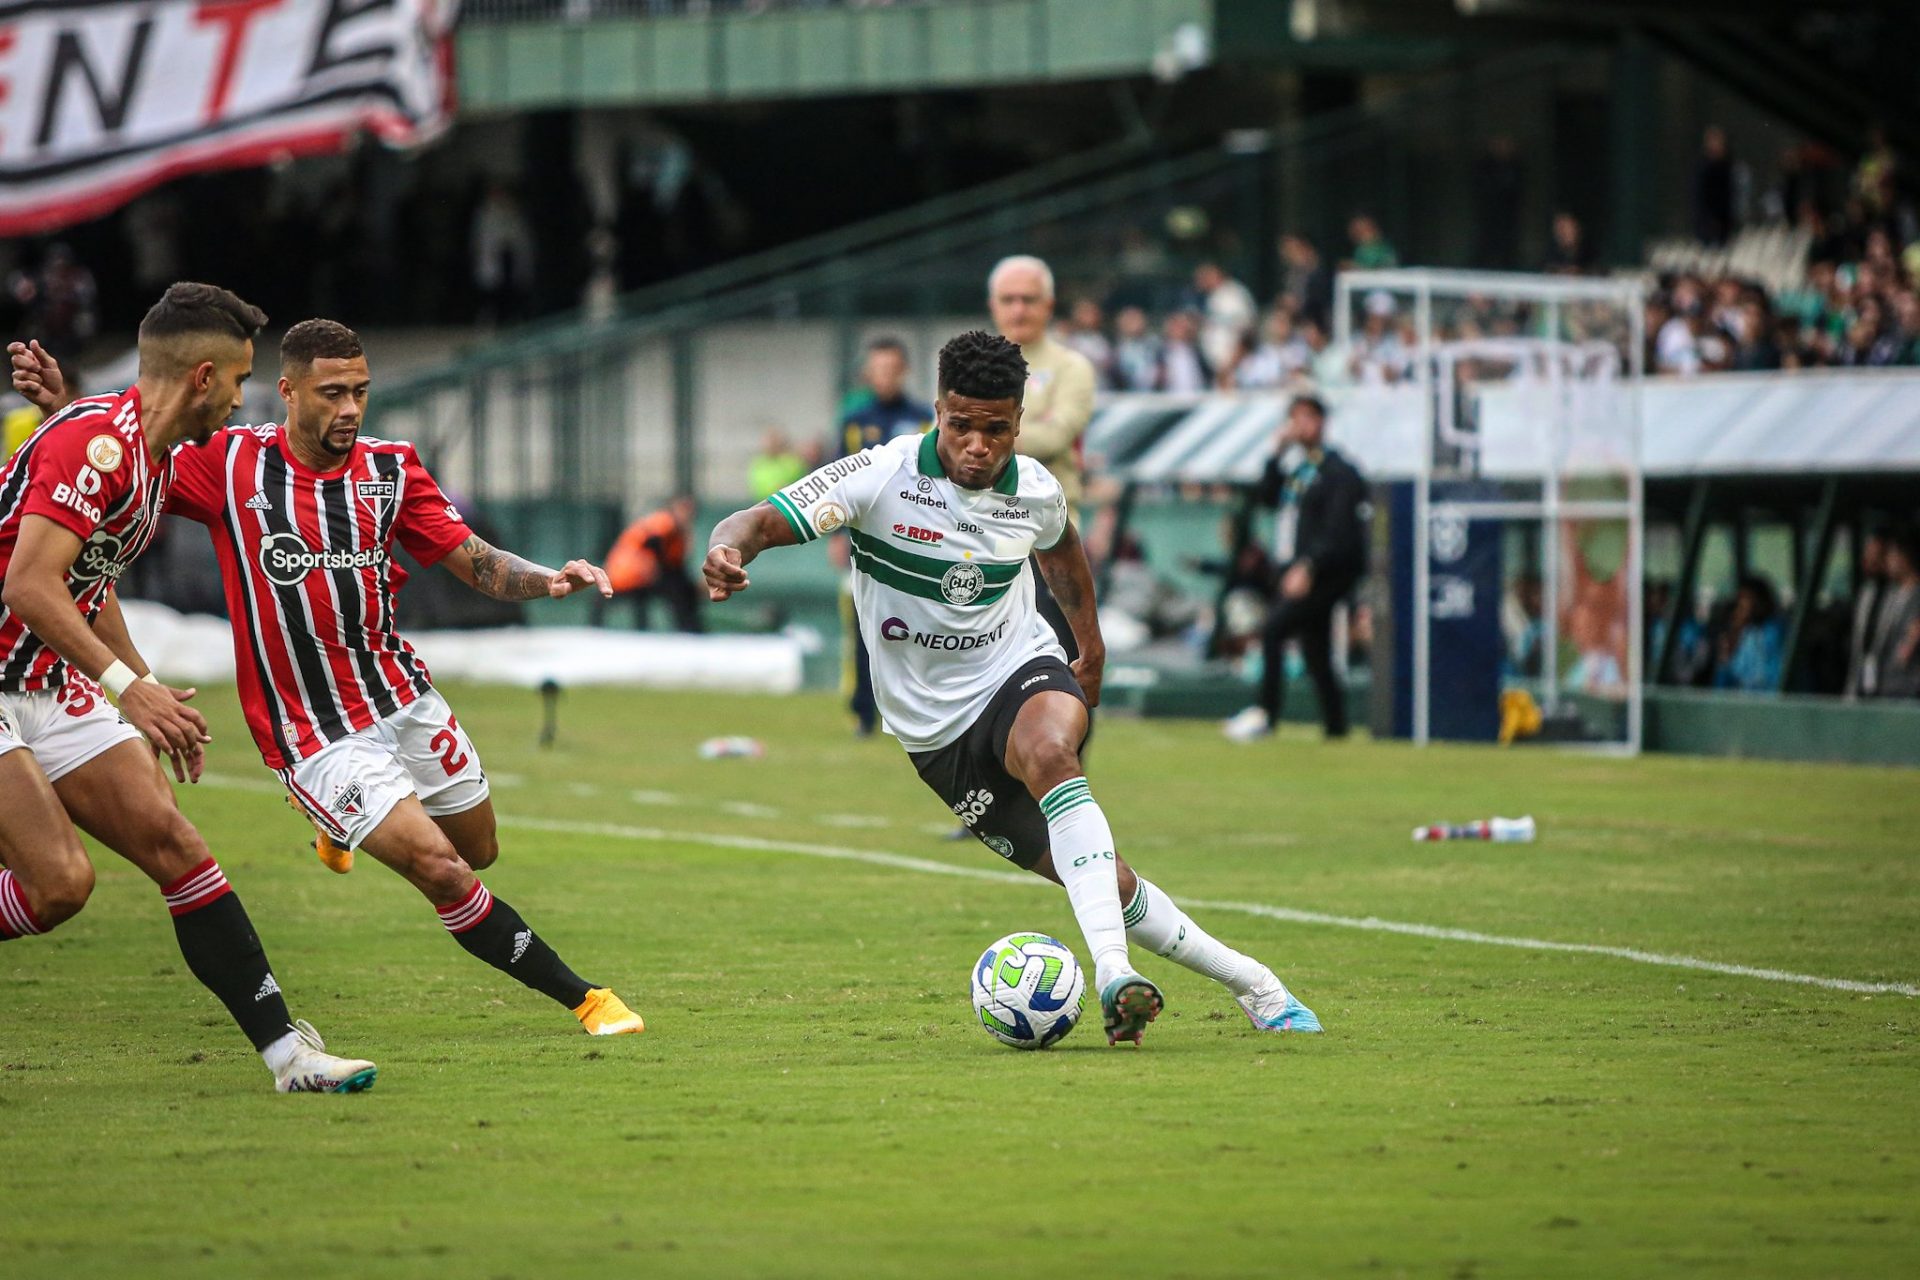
(1060, 381)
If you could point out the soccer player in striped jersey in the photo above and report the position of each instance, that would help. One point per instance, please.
(304, 516)
(970, 677)
(78, 502)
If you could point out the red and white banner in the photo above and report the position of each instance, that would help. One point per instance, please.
(102, 99)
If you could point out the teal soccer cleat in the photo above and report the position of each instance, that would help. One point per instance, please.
(1271, 1007)
(1129, 1002)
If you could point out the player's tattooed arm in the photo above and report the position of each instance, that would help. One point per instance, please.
(734, 544)
(1070, 578)
(505, 576)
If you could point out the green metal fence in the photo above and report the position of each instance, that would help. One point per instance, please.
(622, 408)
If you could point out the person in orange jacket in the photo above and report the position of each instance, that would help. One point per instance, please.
(648, 561)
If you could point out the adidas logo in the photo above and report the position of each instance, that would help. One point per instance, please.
(521, 941)
(267, 988)
(258, 502)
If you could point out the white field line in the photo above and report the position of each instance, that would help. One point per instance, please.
(1372, 924)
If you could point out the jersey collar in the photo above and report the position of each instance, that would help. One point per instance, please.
(1008, 483)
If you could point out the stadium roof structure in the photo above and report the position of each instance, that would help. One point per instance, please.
(1764, 424)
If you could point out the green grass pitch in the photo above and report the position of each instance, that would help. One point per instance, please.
(812, 1098)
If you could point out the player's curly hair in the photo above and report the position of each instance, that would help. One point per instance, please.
(312, 340)
(983, 366)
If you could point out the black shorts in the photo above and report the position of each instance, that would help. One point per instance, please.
(970, 774)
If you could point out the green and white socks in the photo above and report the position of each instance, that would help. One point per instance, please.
(1155, 922)
(1082, 845)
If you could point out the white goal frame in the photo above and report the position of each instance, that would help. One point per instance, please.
(1565, 363)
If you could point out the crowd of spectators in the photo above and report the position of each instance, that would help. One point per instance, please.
(1849, 299)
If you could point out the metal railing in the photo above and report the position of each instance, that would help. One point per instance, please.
(560, 408)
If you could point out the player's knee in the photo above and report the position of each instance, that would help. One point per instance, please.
(439, 872)
(58, 893)
(168, 846)
(483, 853)
(1051, 760)
(181, 841)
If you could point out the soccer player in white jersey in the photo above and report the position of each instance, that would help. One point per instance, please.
(971, 679)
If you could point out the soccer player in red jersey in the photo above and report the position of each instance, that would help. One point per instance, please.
(79, 502)
(304, 516)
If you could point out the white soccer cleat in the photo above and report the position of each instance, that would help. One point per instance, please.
(1271, 1007)
(313, 1070)
(1249, 726)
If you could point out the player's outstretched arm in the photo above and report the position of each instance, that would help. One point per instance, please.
(37, 377)
(1070, 578)
(36, 589)
(736, 541)
(505, 576)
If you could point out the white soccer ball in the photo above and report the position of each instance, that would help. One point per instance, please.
(1027, 990)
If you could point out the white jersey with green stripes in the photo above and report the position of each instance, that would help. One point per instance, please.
(940, 576)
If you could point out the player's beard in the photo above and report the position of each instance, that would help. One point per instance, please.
(322, 434)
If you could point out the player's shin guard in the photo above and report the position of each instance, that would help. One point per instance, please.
(1157, 923)
(494, 932)
(1082, 844)
(223, 951)
(16, 917)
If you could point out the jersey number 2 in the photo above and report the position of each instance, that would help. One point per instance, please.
(452, 758)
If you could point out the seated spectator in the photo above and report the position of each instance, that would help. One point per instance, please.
(1749, 649)
(1183, 366)
(1756, 349)
(1136, 354)
(1086, 332)
(1379, 352)
(1281, 355)
(1891, 664)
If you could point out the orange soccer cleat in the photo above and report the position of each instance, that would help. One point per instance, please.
(335, 858)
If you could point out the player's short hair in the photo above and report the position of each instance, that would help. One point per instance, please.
(1314, 403)
(983, 366)
(1023, 262)
(312, 340)
(887, 342)
(192, 310)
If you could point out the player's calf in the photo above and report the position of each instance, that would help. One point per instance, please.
(488, 929)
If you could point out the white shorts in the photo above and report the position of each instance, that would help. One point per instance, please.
(64, 727)
(350, 786)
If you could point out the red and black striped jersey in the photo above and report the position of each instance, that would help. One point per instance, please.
(306, 563)
(86, 469)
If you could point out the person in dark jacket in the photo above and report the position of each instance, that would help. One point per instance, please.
(1322, 543)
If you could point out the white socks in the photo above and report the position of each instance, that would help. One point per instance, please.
(1157, 924)
(279, 1055)
(1083, 859)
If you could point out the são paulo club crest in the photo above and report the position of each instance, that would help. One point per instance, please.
(963, 583)
(375, 495)
(349, 800)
